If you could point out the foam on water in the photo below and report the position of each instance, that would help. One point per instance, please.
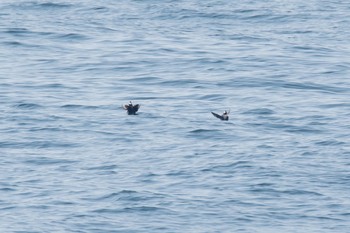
(74, 161)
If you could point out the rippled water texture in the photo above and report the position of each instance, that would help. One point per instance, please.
(72, 160)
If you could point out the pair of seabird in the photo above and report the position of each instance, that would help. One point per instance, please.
(132, 109)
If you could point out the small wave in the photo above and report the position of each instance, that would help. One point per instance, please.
(111, 196)
(212, 134)
(292, 192)
(8, 208)
(51, 129)
(241, 37)
(330, 143)
(213, 97)
(306, 86)
(199, 131)
(105, 167)
(337, 105)
(293, 128)
(16, 31)
(210, 15)
(28, 106)
(100, 8)
(301, 192)
(7, 189)
(302, 129)
(116, 195)
(224, 168)
(104, 170)
(72, 37)
(179, 174)
(313, 49)
(95, 9)
(108, 211)
(20, 44)
(312, 86)
(144, 80)
(52, 85)
(54, 5)
(267, 17)
(260, 111)
(144, 209)
(180, 82)
(22, 32)
(208, 61)
(78, 106)
(264, 185)
(48, 161)
(12, 43)
(137, 209)
(128, 196)
(287, 32)
(62, 203)
(37, 144)
(39, 6)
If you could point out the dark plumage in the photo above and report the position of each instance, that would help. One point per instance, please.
(131, 109)
(223, 117)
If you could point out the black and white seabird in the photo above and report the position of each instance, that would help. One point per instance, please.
(131, 109)
(223, 117)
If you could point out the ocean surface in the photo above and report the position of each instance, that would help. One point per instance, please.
(72, 160)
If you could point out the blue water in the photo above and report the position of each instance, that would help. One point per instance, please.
(72, 160)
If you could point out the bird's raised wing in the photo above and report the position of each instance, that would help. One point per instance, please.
(136, 107)
(217, 115)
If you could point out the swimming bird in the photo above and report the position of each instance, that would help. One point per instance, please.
(131, 109)
(223, 117)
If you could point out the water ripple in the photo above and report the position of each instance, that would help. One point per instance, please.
(73, 158)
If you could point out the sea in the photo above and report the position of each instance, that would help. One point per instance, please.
(72, 159)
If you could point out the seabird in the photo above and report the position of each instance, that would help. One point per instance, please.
(131, 109)
(223, 117)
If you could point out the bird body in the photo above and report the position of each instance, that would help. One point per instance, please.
(223, 117)
(131, 109)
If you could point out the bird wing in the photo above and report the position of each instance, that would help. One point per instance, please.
(136, 107)
(217, 115)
